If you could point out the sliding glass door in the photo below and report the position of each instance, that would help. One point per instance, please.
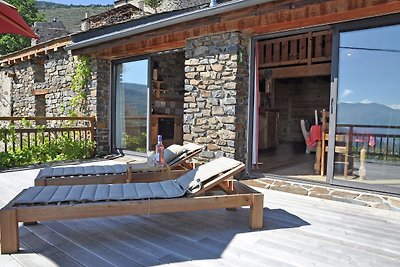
(367, 136)
(131, 110)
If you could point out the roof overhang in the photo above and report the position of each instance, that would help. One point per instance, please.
(165, 22)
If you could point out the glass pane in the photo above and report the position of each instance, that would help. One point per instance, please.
(131, 100)
(368, 111)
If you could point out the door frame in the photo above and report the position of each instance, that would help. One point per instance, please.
(337, 29)
(113, 102)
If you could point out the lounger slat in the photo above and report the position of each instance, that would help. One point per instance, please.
(130, 191)
(58, 172)
(46, 172)
(157, 190)
(46, 194)
(70, 171)
(143, 190)
(116, 192)
(102, 192)
(61, 193)
(29, 194)
(75, 193)
(172, 188)
(88, 192)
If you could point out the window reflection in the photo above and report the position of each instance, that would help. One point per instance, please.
(368, 109)
(131, 98)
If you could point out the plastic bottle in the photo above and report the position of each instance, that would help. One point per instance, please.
(159, 151)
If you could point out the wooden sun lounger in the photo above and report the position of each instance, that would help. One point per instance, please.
(236, 195)
(118, 173)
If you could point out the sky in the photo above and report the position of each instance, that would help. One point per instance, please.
(82, 2)
(369, 66)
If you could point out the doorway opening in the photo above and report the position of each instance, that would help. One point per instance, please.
(293, 76)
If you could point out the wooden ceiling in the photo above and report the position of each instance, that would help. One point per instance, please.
(265, 18)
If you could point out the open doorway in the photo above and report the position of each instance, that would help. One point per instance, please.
(294, 76)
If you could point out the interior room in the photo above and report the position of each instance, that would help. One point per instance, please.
(293, 89)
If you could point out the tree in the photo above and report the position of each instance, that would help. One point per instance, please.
(10, 42)
(154, 4)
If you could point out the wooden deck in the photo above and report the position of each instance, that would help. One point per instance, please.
(299, 231)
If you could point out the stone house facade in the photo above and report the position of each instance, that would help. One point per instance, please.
(37, 82)
(213, 53)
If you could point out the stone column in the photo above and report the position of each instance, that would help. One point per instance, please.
(99, 101)
(216, 83)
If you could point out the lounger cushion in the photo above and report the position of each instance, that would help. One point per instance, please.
(172, 152)
(81, 170)
(187, 183)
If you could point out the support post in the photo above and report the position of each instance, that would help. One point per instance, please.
(9, 231)
(257, 211)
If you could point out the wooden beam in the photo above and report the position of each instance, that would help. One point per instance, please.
(261, 19)
(302, 71)
(40, 91)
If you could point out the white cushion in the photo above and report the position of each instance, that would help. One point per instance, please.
(172, 152)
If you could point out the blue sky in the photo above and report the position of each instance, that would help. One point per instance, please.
(369, 66)
(82, 2)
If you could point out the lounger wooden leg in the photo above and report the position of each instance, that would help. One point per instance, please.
(257, 212)
(9, 231)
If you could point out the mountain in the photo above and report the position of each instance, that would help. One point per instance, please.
(367, 114)
(69, 15)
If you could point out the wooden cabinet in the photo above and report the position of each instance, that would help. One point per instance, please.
(169, 126)
(268, 133)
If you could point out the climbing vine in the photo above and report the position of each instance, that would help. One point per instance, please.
(80, 82)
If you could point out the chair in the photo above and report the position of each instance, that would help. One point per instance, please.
(342, 146)
(186, 193)
(176, 164)
(306, 135)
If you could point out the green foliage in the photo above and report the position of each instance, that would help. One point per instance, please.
(70, 15)
(154, 4)
(80, 82)
(136, 143)
(60, 148)
(11, 42)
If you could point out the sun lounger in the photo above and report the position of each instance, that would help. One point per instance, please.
(176, 158)
(186, 193)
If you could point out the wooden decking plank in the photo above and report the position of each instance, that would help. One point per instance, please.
(220, 227)
(124, 248)
(78, 252)
(375, 226)
(174, 236)
(142, 244)
(157, 237)
(9, 261)
(245, 256)
(356, 212)
(103, 252)
(344, 227)
(35, 243)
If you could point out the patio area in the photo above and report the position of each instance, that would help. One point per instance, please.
(298, 231)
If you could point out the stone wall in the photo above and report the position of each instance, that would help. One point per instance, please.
(100, 102)
(42, 86)
(297, 99)
(215, 108)
(55, 69)
(5, 94)
(168, 74)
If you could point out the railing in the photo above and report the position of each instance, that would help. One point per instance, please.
(21, 132)
(371, 137)
(302, 49)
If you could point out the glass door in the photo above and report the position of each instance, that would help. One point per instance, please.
(367, 135)
(132, 105)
